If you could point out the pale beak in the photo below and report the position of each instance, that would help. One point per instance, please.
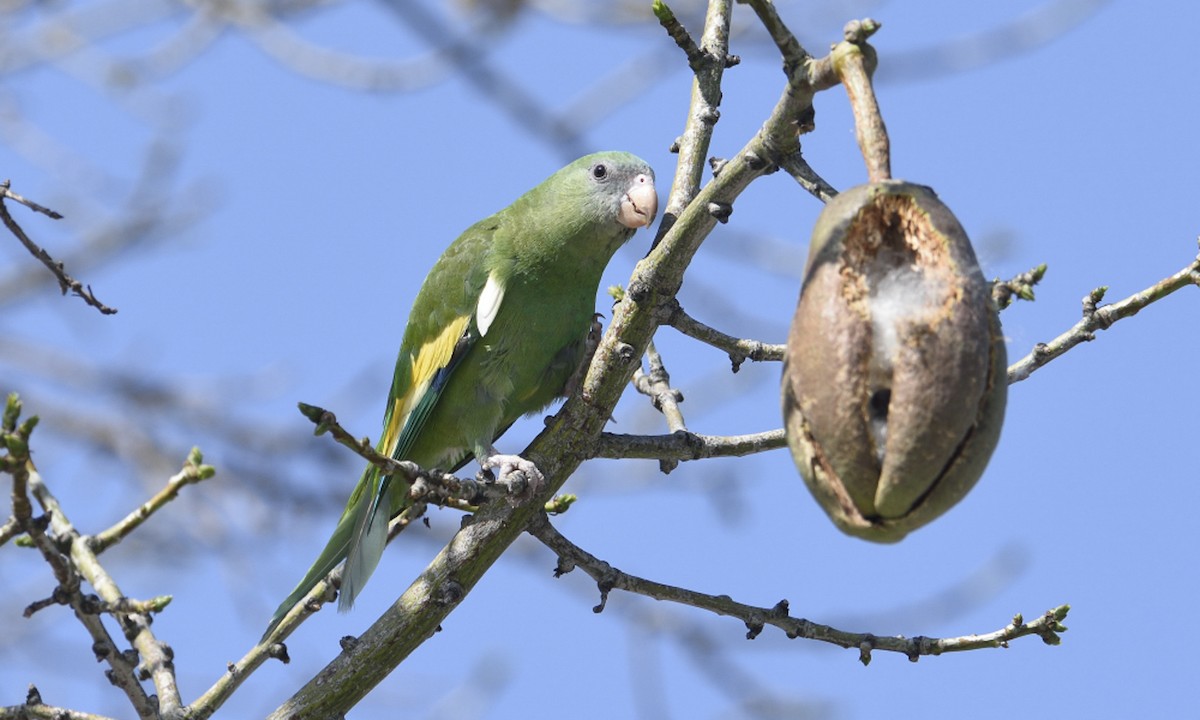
(640, 204)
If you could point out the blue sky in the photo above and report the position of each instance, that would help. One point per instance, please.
(309, 214)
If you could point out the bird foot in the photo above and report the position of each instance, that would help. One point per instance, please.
(519, 476)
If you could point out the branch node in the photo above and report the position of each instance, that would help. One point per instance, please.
(753, 629)
(278, 651)
(450, 593)
(918, 645)
(604, 586)
(720, 210)
(864, 649)
(563, 566)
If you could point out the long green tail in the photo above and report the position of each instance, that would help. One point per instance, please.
(339, 546)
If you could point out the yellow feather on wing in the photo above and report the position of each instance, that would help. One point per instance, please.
(426, 362)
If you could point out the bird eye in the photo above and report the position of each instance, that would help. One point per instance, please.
(599, 171)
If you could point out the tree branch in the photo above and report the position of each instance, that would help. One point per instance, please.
(1020, 287)
(739, 350)
(1101, 318)
(796, 166)
(656, 385)
(684, 445)
(703, 112)
(65, 281)
(193, 471)
(695, 56)
(1047, 626)
(35, 709)
(427, 485)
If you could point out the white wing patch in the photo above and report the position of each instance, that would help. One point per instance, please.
(489, 304)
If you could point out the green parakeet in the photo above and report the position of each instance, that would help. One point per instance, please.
(497, 330)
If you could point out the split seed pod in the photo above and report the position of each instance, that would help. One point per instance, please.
(894, 382)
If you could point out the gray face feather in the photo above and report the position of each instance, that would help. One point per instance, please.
(618, 186)
(625, 185)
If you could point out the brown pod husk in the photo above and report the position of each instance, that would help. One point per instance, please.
(894, 383)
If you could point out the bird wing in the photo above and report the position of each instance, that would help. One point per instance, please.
(452, 312)
(443, 326)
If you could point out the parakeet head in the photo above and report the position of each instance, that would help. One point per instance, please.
(614, 187)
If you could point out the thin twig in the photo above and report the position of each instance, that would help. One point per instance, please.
(683, 445)
(795, 165)
(322, 593)
(855, 61)
(795, 57)
(39, 711)
(678, 33)
(1020, 287)
(9, 530)
(740, 350)
(437, 487)
(1101, 318)
(193, 471)
(656, 385)
(6, 191)
(65, 281)
(1047, 626)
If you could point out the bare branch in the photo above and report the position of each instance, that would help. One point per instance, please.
(1101, 318)
(1004, 292)
(6, 192)
(1047, 626)
(795, 165)
(656, 385)
(703, 112)
(795, 57)
(193, 471)
(740, 350)
(34, 709)
(9, 530)
(437, 486)
(684, 445)
(855, 62)
(65, 281)
(695, 56)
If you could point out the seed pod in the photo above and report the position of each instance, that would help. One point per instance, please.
(894, 382)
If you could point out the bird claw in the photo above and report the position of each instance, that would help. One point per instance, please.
(521, 477)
